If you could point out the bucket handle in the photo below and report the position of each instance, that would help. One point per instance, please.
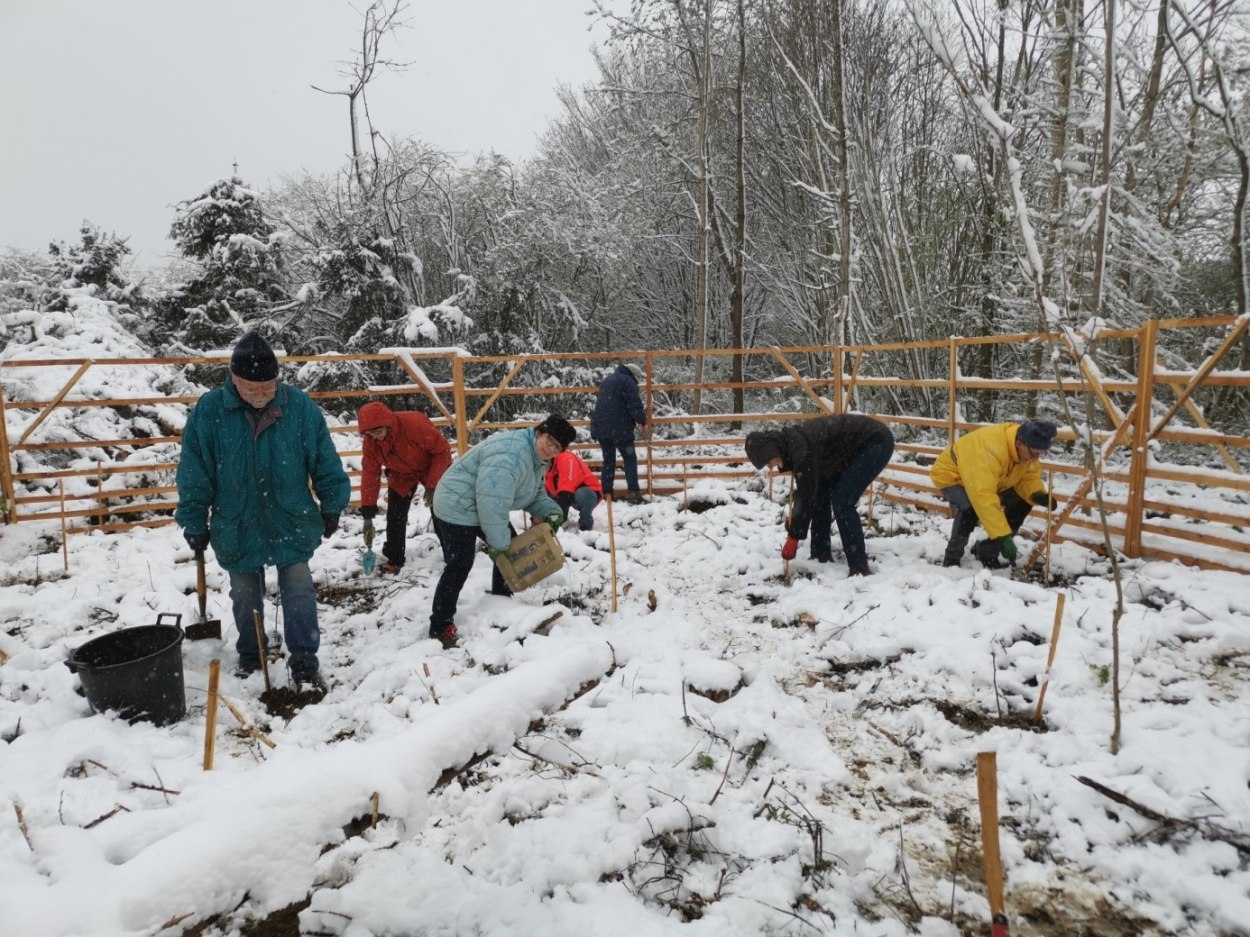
(176, 616)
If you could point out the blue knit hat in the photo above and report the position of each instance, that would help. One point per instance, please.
(1037, 434)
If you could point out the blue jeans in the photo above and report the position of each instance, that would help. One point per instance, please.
(585, 499)
(459, 551)
(629, 456)
(837, 500)
(299, 615)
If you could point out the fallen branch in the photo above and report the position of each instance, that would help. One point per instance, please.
(1204, 828)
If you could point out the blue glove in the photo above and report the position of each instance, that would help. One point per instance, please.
(554, 521)
(197, 542)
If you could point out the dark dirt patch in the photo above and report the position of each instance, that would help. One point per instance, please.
(858, 666)
(716, 696)
(352, 596)
(284, 701)
(698, 506)
(282, 923)
(976, 721)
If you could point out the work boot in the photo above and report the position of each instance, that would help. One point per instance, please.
(390, 569)
(447, 637)
(860, 569)
(246, 667)
(312, 684)
(634, 497)
(824, 556)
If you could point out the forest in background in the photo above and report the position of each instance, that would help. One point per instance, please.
(747, 173)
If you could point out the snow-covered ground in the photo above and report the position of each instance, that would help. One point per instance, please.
(832, 789)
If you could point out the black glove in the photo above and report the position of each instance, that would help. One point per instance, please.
(367, 512)
(565, 500)
(1043, 499)
(332, 524)
(197, 542)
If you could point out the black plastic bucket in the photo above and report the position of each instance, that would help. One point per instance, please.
(135, 671)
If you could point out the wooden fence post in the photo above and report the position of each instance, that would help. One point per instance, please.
(8, 508)
(650, 430)
(457, 396)
(1147, 338)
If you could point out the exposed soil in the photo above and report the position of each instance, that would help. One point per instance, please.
(284, 701)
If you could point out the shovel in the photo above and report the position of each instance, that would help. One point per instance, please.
(205, 627)
(369, 560)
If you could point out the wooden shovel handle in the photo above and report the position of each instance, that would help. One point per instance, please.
(987, 797)
(201, 586)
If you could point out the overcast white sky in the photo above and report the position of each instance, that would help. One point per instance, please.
(114, 110)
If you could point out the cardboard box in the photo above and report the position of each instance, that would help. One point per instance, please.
(532, 556)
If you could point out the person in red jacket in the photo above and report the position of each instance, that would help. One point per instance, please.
(413, 452)
(571, 482)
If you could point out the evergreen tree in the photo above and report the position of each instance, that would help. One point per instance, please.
(241, 280)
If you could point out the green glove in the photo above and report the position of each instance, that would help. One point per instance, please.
(1008, 548)
(493, 553)
(554, 521)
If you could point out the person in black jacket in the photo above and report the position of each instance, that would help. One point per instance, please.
(618, 408)
(834, 459)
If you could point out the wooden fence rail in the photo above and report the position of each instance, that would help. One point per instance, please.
(1180, 509)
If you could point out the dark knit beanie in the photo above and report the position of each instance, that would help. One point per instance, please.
(253, 359)
(559, 429)
(762, 447)
(1037, 434)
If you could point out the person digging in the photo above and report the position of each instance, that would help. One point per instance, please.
(993, 477)
(413, 452)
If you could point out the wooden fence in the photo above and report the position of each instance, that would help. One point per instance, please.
(52, 470)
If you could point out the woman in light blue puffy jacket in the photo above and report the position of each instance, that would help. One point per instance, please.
(503, 473)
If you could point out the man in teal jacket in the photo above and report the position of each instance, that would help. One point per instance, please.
(501, 474)
(249, 449)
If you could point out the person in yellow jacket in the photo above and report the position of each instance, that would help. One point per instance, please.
(993, 477)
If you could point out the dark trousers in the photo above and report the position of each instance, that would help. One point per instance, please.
(629, 458)
(397, 505)
(836, 500)
(459, 551)
(1015, 508)
(397, 508)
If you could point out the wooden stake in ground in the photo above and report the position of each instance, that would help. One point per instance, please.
(210, 720)
(260, 648)
(64, 529)
(1050, 499)
(1050, 658)
(612, 549)
(987, 796)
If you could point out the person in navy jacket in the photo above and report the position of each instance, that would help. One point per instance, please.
(618, 409)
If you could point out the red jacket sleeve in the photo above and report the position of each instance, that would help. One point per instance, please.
(433, 442)
(371, 474)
